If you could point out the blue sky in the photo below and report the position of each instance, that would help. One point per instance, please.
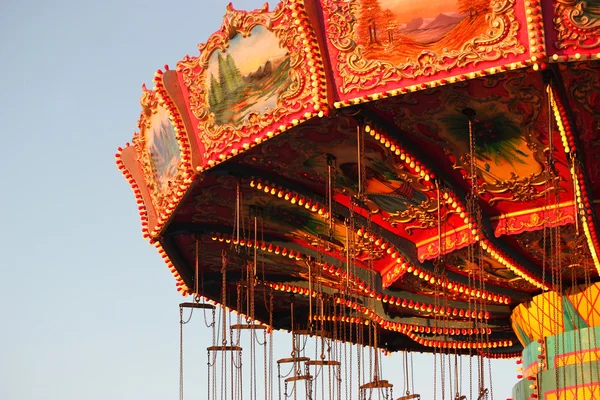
(87, 308)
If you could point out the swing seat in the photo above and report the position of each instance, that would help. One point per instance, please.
(377, 384)
(224, 348)
(303, 332)
(409, 396)
(331, 363)
(299, 378)
(292, 359)
(249, 326)
(197, 305)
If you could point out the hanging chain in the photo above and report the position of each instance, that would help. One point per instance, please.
(471, 209)
(180, 353)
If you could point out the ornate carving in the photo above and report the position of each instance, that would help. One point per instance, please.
(294, 98)
(508, 124)
(518, 188)
(573, 257)
(360, 73)
(577, 23)
(585, 89)
(451, 242)
(161, 183)
(421, 216)
(535, 220)
(149, 103)
(515, 224)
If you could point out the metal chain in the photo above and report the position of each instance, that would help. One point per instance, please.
(180, 353)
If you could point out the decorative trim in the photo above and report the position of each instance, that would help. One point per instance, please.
(574, 27)
(166, 198)
(360, 74)
(535, 28)
(444, 344)
(432, 84)
(137, 191)
(452, 240)
(303, 98)
(518, 270)
(534, 219)
(372, 315)
(586, 213)
(180, 284)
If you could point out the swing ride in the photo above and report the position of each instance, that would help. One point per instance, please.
(373, 177)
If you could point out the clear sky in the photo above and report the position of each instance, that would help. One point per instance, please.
(88, 309)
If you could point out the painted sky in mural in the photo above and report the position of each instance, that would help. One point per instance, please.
(248, 77)
(163, 149)
(395, 30)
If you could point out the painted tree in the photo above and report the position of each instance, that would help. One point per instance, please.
(230, 78)
(390, 25)
(234, 72)
(215, 95)
(369, 22)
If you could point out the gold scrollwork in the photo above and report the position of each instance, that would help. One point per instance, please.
(577, 23)
(535, 220)
(149, 103)
(421, 216)
(217, 138)
(451, 243)
(160, 197)
(362, 248)
(517, 188)
(359, 73)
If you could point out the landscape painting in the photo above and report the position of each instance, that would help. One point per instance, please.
(162, 149)
(399, 30)
(501, 147)
(248, 77)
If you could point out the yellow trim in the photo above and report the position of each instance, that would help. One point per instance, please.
(532, 210)
(444, 235)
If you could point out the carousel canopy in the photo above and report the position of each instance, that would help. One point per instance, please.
(424, 167)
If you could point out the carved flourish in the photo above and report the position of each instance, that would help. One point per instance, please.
(295, 97)
(359, 73)
(577, 23)
(451, 242)
(149, 103)
(517, 188)
(536, 220)
(422, 216)
(585, 89)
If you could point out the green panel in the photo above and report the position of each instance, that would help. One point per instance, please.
(522, 335)
(571, 376)
(570, 342)
(530, 354)
(521, 390)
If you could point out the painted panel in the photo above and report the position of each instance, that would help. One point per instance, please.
(253, 79)
(510, 131)
(378, 45)
(573, 28)
(548, 314)
(160, 155)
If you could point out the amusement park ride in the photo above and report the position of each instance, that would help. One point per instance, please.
(416, 176)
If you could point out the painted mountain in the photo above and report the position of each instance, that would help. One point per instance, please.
(400, 30)
(430, 30)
